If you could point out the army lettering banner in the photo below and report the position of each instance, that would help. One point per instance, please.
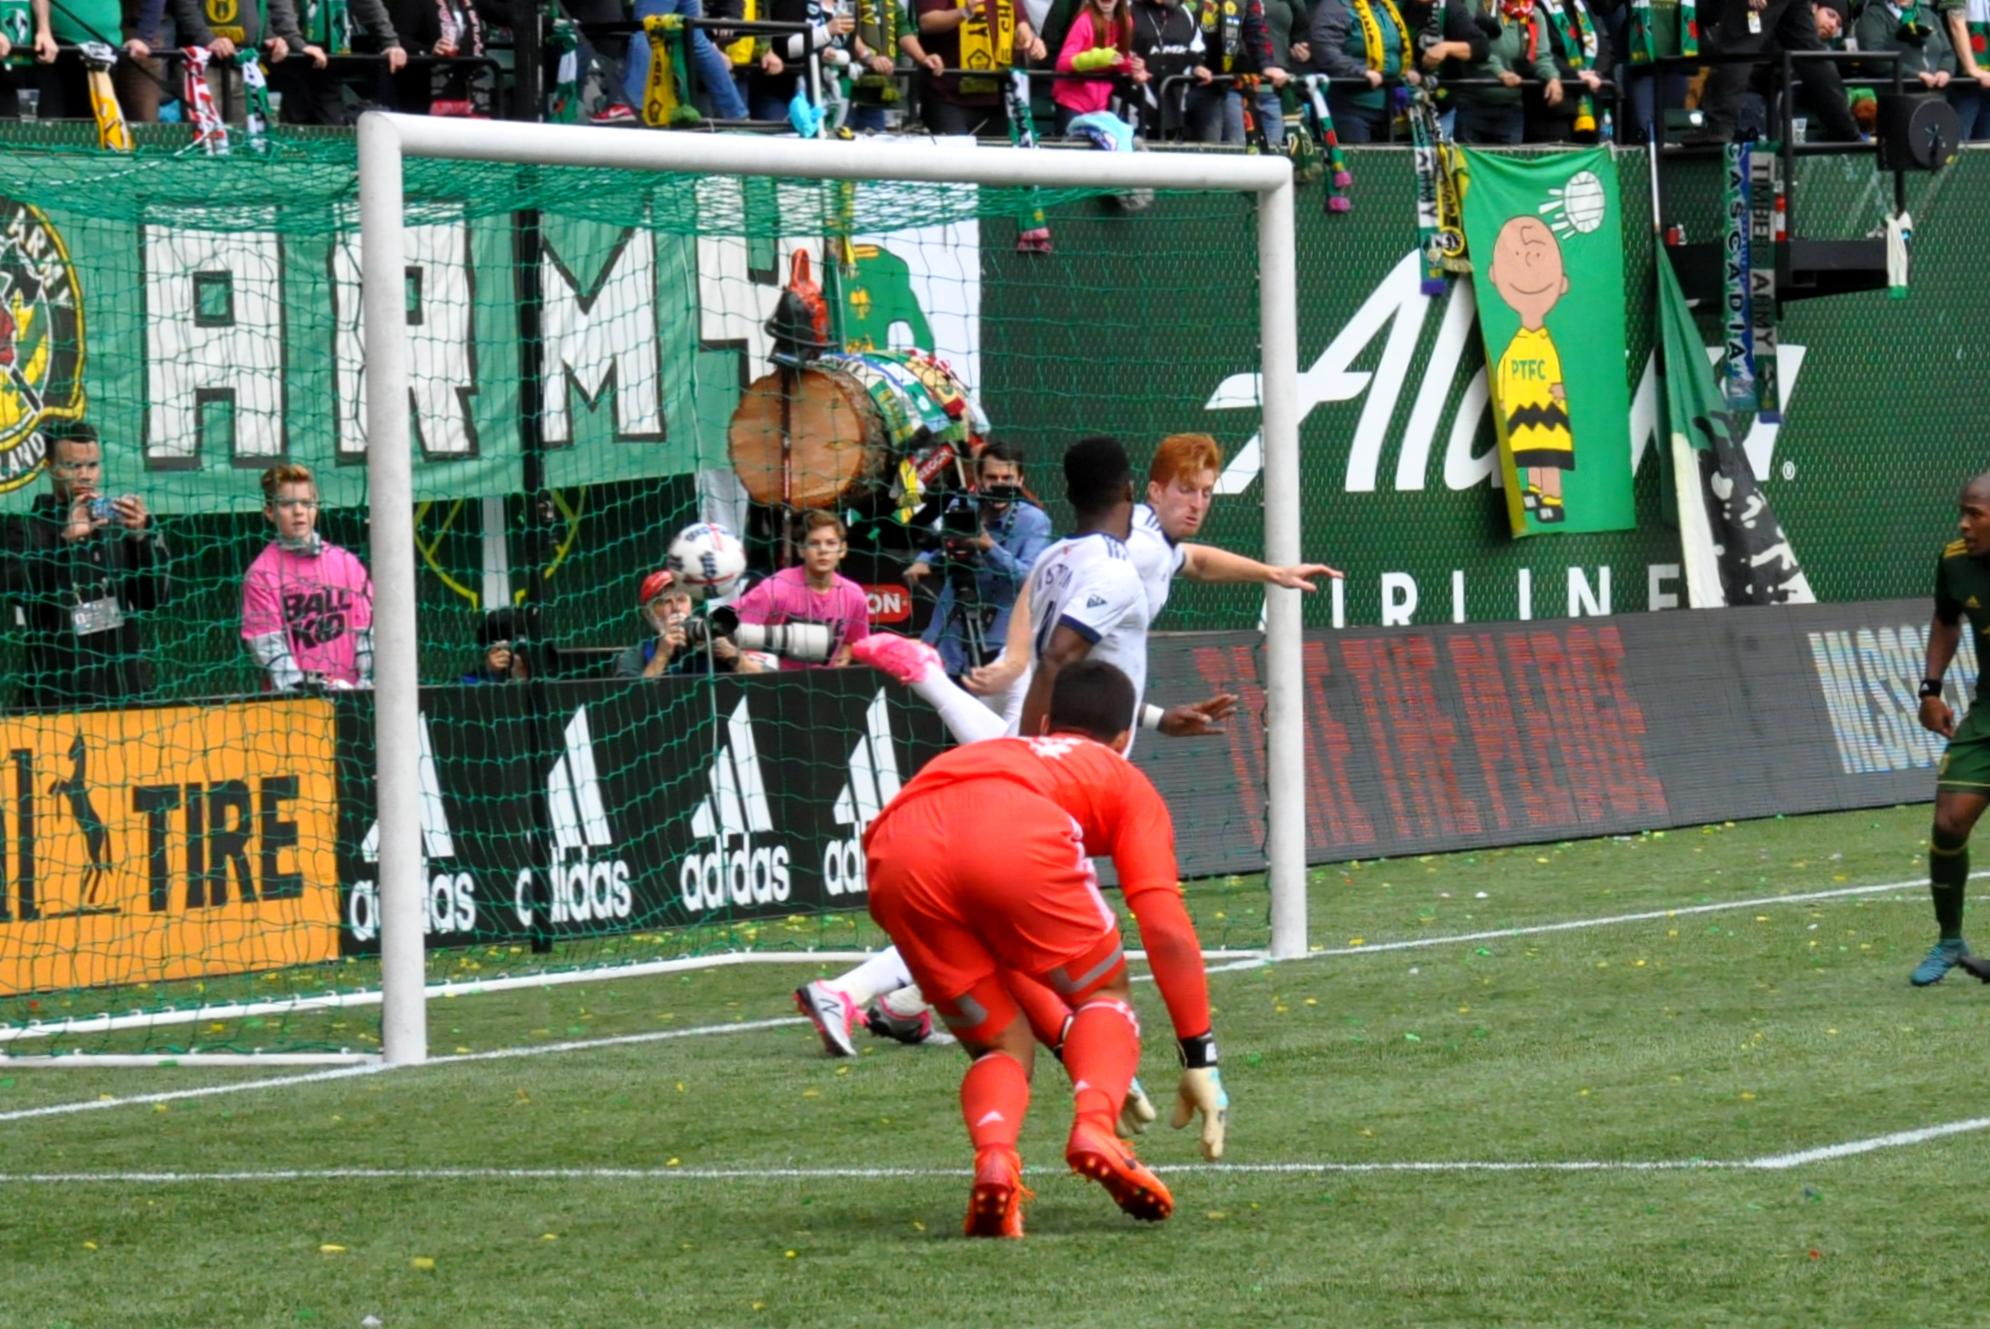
(204, 315)
(1546, 239)
(176, 842)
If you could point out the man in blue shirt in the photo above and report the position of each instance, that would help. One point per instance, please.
(986, 570)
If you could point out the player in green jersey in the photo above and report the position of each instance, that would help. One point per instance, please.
(1962, 788)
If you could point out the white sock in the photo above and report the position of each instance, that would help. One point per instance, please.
(960, 710)
(905, 1003)
(883, 972)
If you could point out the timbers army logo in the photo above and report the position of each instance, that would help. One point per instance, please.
(41, 339)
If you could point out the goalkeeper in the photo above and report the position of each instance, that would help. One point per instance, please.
(978, 871)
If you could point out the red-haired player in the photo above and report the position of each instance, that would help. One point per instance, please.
(978, 869)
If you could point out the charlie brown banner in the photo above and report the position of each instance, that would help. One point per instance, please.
(1545, 236)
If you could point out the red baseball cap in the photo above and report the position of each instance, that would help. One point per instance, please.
(655, 584)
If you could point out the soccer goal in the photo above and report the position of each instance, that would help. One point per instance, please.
(519, 364)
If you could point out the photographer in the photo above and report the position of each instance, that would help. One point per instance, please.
(813, 596)
(678, 638)
(79, 566)
(989, 542)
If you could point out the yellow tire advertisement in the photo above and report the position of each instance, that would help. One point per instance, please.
(166, 843)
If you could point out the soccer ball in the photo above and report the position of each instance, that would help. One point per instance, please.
(707, 560)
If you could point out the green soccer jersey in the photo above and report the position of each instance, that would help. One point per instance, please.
(1962, 590)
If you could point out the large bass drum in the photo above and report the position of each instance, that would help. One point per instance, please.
(808, 438)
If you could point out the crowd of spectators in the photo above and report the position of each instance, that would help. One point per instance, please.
(1505, 71)
(86, 568)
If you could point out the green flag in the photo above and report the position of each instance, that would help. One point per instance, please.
(1731, 544)
(1546, 239)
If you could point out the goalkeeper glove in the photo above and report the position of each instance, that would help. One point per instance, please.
(1137, 1113)
(1201, 1091)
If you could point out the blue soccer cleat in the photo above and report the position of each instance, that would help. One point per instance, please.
(1942, 957)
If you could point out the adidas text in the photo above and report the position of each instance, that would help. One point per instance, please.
(728, 866)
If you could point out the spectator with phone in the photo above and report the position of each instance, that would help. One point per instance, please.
(80, 569)
(307, 606)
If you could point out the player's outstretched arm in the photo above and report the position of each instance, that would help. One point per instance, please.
(1207, 563)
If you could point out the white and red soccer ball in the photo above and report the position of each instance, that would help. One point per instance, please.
(707, 560)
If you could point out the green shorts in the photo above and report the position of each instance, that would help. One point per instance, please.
(1965, 766)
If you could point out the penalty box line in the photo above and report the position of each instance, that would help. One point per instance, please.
(280, 1176)
(665, 1035)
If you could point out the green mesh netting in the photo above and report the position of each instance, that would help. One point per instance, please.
(583, 347)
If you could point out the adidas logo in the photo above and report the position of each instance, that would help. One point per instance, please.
(1095, 602)
(449, 899)
(733, 870)
(873, 783)
(585, 888)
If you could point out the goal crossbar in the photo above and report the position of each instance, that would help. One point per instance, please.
(386, 139)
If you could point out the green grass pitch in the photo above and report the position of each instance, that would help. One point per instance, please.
(1630, 1121)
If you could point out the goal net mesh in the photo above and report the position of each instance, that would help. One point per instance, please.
(597, 359)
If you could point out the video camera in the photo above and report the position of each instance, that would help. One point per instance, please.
(960, 519)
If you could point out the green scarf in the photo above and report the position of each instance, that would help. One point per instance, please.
(566, 79)
(878, 24)
(1578, 44)
(329, 25)
(1644, 36)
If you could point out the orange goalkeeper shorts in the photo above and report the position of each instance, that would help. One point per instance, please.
(982, 877)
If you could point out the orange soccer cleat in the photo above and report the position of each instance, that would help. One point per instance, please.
(995, 1209)
(1094, 1152)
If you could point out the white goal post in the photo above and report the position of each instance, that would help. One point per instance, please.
(386, 140)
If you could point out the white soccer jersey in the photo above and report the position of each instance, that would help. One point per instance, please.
(1155, 557)
(1090, 584)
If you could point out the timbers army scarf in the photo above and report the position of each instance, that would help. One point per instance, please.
(1441, 184)
(663, 101)
(256, 116)
(327, 23)
(566, 78)
(1321, 119)
(1576, 32)
(878, 23)
(988, 43)
(1373, 52)
(113, 135)
(1644, 41)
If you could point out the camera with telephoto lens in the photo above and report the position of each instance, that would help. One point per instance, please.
(808, 643)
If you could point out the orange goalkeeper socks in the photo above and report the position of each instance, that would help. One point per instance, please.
(1102, 1053)
(994, 1095)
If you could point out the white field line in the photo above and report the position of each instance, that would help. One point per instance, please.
(278, 1176)
(103, 1024)
(578, 1045)
(374, 1068)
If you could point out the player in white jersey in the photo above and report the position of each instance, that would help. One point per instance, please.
(1180, 486)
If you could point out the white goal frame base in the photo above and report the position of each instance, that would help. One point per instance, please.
(386, 140)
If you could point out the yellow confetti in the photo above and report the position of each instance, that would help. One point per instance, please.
(680, 1086)
(89, 1245)
(1216, 1215)
(671, 1162)
(331, 1248)
(423, 1262)
(759, 1305)
(159, 1107)
(1748, 1096)
(1312, 1001)
(1355, 941)
(462, 1051)
(787, 1255)
(918, 1226)
(811, 1093)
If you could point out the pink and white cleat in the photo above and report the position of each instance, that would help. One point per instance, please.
(906, 659)
(832, 1014)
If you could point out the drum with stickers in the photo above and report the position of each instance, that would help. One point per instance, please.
(853, 428)
(808, 438)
